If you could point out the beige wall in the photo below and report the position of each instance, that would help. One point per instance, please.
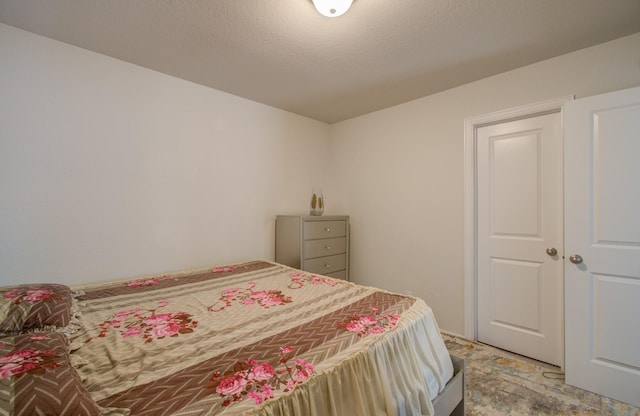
(109, 170)
(399, 172)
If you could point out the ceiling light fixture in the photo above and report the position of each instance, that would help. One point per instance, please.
(332, 8)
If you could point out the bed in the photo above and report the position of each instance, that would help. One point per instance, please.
(257, 338)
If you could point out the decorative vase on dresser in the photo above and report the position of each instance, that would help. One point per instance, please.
(314, 244)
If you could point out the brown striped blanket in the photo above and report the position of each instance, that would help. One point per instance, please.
(256, 338)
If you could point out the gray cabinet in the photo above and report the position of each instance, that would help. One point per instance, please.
(316, 244)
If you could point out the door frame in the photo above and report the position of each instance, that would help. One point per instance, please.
(471, 126)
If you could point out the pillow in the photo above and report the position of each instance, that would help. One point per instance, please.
(37, 377)
(33, 307)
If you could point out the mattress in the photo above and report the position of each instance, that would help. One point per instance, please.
(256, 338)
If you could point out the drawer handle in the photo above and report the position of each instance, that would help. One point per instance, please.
(327, 247)
(327, 229)
(327, 265)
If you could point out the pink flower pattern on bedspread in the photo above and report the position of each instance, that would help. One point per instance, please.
(28, 360)
(299, 279)
(248, 297)
(19, 295)
(150, 281)
(222, 269)
(148, 324)
(258, 380)
(375, 323)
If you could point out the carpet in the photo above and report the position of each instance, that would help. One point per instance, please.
(501, 383)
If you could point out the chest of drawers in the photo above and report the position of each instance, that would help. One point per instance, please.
(314, 244)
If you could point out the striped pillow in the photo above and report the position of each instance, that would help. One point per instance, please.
(34, 307)
(37, 377)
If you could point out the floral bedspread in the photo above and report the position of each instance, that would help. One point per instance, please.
(257, 338)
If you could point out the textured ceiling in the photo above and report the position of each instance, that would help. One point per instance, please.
(284, 54)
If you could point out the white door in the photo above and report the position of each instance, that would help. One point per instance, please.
(519, 237)
(602, 220)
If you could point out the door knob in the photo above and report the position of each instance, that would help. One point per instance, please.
(575, 259)
(552, 251)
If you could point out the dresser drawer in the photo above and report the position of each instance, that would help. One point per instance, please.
(324, 265)
(342, 274)
(324, 229)
(324, 247)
